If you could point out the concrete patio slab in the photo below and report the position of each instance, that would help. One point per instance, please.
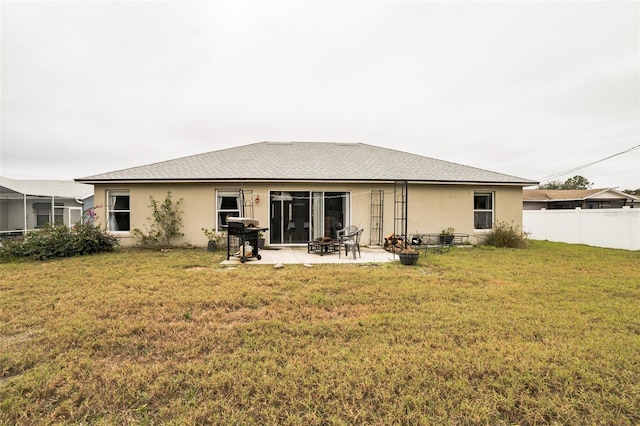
(299, 255)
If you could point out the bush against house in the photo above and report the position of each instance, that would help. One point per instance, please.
(506, 235)
(164, 224)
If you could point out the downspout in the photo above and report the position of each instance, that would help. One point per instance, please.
(24, 205)
(81, 202)
(406, 211)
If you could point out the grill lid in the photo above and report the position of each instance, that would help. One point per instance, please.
(245, 221)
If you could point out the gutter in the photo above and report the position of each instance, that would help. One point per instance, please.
(377, 181)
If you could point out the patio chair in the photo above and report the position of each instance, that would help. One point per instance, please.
(353, 244)
(346, 234)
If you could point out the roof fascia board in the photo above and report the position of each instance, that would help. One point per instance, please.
(383, 181)
(614, 191)
(552, 200)
(558, 200)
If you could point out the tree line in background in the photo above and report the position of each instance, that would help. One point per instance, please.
(579, 182)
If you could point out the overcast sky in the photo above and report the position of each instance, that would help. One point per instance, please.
(530, 89)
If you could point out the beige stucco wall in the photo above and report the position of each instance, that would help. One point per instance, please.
(198, 206)
(431, 207)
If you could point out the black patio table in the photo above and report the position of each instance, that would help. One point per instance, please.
(321, 247)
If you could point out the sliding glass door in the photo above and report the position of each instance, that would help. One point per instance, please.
(289, 222)
(300, 216)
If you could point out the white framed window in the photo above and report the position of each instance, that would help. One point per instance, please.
(118, 211)
(227, 205)
(483, 210)
(42, 213)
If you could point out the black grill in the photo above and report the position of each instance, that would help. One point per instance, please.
(247, 231)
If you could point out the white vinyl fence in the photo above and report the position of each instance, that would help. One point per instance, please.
(614, 228)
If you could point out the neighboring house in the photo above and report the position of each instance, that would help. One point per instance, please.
(305, 190)
(551, 199)
(26, 205)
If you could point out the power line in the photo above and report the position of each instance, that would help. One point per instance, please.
(575, 169)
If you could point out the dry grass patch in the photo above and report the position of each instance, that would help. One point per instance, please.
(537, 336)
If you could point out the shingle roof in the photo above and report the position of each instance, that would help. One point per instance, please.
(48, 188)
(326, 161)
(570, 194)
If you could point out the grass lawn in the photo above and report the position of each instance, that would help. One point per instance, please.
(544, 335)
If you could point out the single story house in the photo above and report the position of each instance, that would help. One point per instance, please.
(26, 205)
(553, 199)
(305, 190)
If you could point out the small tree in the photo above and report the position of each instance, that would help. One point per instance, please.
(552, 184)
(164, 223)
(576, 182)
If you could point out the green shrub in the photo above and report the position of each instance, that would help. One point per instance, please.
(54, 241)
(164, 224)
(89, 239)
(505, 235)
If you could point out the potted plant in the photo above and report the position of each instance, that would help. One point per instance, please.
(446, 236)
(408, 256)
(261, 240)
(217, 240)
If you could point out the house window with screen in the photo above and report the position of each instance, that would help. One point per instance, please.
(118, 213)
(483, 210)
(227, 205)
